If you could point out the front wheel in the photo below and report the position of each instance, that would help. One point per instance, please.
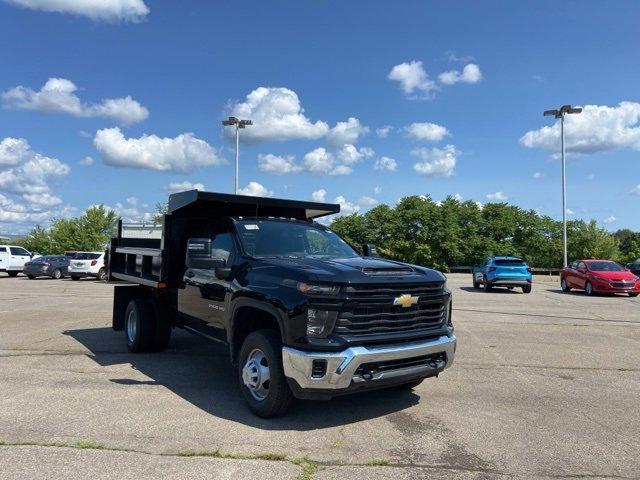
(588, 288)
(564, 285)
(262, 379)
(476, 285)
(57, 274)
(634, 294)
(31, 277)
(74, 277)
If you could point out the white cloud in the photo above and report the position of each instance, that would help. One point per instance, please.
(320, 161)
(538, 175)
(458, 197)
(480, 205)
(367, 201)
(470, 74)
(570, 212)
(25, 176)
(609, 219)
(278, 165)
(385, 163)
(346, 207)
(591, 176)
(183, 186)
(107, 10)
(255, 189)
(30, 171)
(426, 131)
(436, 161)
(58, 96)
(86, 161)
(183, 153)
(496, 197)
(636, 190)
(412, 78)
(377, 190)
(383, 132)
(598, 128)
(132, 201)
(346, 132)
(349, 154)
(319, 195)
(277, 115)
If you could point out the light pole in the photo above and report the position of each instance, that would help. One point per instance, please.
(560, 113)
(238, 124)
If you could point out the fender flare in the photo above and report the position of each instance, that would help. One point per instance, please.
(257, 304)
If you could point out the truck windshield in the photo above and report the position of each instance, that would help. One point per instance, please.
(280, 238)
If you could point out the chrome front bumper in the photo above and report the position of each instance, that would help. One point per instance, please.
(342, 366)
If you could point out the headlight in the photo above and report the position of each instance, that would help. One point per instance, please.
(316, 289)
(320, 323)
(599, 279)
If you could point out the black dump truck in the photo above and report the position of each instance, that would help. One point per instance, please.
(303, 314)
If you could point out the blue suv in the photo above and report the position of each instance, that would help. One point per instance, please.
(507, 272)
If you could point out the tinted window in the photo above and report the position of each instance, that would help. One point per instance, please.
(222, 246)
(3, 249)
(18, 251)
(273, 238)
(605, 267)
(509, 263)
(86, 256)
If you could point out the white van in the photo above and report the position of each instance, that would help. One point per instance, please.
(13, 258)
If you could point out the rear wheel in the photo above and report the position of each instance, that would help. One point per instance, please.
(526, 289)
(139, 320)
(486, 284)
(13, 274)
(564, 285)
(57, 274)
(588, 288)
(74, 277)
(476, 285)
(102, 274)
(262, 379)
(31, 277)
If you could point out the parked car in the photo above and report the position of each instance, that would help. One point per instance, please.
(504, 271)
(13, 258)
(87, 264)
(603, 276)
(634, 267)
(302, 313)
(54, 266)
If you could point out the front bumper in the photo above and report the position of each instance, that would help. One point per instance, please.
(342, 373)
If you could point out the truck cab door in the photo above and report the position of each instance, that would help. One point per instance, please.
(19, 256)
(205, 297)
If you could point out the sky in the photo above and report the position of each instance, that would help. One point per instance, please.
(120, 102)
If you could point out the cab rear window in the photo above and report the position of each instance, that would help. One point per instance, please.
(510, 263)
(86, 256)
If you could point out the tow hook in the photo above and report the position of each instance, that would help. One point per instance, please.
(368, 375)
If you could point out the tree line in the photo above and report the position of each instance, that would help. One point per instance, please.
(453, 233)
(417, 230)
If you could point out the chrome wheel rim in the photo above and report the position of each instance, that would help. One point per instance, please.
(563, 284)
(132, 325)
(589, 289)
(255, 374)
(56, 274)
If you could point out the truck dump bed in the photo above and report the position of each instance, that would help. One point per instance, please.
(153, 255)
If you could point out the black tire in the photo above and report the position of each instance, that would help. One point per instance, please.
(476, 285)
(73, 277)
(13, 274)
(486, 284)
(634, 294)
(278, 396)
(56, 274)
(588, 288)
(102, 274)
(162, 327)
(526, 289)
(408, 386)
(139, 337)
(564, 286)
(31, 277)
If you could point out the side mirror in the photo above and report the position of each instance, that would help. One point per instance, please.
(369, 250)
(199, 255)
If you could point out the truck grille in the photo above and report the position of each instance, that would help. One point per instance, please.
(369, 309)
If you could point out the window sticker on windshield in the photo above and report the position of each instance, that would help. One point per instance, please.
(251, 226)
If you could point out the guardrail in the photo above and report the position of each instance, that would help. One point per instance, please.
(534, 270)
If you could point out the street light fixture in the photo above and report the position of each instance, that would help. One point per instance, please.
(238, 124)
(560, 113)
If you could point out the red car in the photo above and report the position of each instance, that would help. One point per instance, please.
(602, 276)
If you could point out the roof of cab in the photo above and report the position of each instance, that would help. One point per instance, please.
(195, 201)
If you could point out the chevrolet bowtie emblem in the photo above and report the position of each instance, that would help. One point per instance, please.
(405, 300)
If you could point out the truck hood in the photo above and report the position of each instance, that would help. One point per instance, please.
(357, 270)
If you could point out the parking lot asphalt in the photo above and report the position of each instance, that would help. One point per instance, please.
(543, 385)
